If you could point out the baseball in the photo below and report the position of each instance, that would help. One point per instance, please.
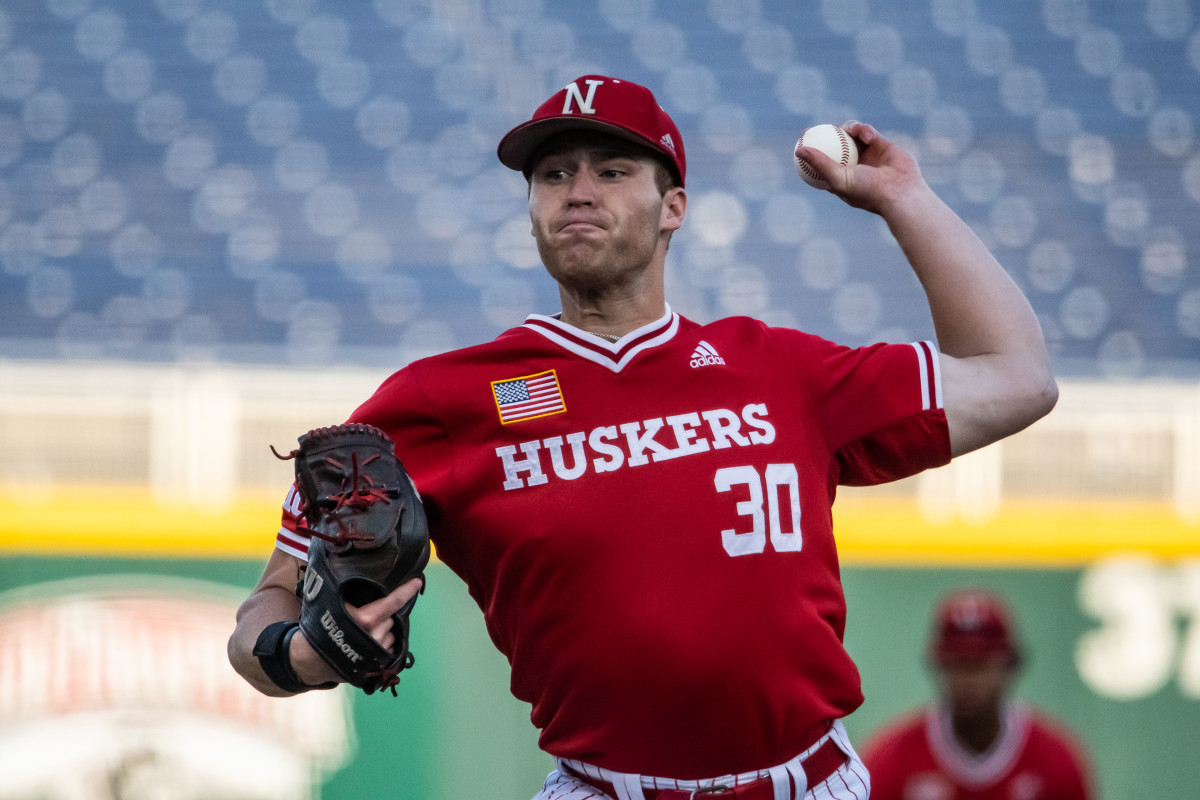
(833, 142)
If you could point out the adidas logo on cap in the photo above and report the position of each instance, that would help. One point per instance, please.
(705, 355)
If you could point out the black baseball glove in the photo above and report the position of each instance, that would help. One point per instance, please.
(369, 535)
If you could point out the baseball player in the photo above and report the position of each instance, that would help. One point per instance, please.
(641, 505)
(975, 742)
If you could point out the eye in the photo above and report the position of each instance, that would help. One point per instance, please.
(551, 175)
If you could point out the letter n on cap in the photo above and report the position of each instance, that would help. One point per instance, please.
(585, 103)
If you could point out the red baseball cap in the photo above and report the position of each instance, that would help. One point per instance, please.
(972, 624)
(597, 102)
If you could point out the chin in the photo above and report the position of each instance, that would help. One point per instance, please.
(577, 263)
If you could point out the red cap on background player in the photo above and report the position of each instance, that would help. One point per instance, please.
(597, 102)
(972, 624)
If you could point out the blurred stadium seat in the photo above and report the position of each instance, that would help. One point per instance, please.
(295, 183)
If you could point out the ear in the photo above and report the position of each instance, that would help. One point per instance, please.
(674, 207)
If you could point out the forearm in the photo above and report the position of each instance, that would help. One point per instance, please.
(264, 607)
(274, 600)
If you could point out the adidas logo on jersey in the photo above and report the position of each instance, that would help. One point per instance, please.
(704, 355)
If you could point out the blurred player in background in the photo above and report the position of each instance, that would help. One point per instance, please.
(641, 504)
(975, 742)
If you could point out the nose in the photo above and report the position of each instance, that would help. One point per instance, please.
(581, 190)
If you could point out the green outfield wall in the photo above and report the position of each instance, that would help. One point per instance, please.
(1113, 649)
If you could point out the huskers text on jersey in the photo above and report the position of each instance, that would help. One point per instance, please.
(633, 444)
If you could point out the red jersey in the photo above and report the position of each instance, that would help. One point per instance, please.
(646, 525)
(918, 758)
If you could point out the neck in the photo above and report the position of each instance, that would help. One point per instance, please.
(977, 733)
(611, 317)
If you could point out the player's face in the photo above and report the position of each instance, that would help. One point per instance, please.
(598, 214)
(975, 687)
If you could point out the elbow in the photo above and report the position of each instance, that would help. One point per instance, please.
(245, 664)
(1051, 395)
(995, 405)
(1032, 389)
(1048, 395)
(1026, 397)
(1033, 399)
(238, 656)
(1044, 397)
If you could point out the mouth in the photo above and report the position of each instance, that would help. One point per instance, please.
(578, 225)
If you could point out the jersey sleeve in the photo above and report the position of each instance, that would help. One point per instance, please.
(880, 408)
(292, 537)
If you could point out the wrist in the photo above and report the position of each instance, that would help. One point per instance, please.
(911, 201)
(273, 650)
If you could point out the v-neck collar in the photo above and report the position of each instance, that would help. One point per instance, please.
(978, 769)
(611, 355)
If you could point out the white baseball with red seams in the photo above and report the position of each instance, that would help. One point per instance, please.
(833, 142)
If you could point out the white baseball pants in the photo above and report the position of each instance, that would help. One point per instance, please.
(850, 782)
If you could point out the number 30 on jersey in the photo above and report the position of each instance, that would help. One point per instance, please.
(779, 486)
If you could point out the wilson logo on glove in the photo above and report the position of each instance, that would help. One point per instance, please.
(338, 637)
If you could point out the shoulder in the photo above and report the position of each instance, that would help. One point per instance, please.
(815, 353)
(799, 351)
(752, 329)
(1050, 734)
(422, 391)
(894, 753)
(901, 734)
(441, 368)
(1062, 753)
(512, 341)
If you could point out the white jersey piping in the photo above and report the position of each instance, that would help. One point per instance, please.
(611, 355)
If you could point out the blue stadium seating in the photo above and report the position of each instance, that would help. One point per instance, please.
(293, 182)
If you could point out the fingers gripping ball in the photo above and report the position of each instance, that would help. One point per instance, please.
(833, 142)
(369, 535)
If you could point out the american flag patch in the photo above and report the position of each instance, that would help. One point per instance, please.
(519, 399)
